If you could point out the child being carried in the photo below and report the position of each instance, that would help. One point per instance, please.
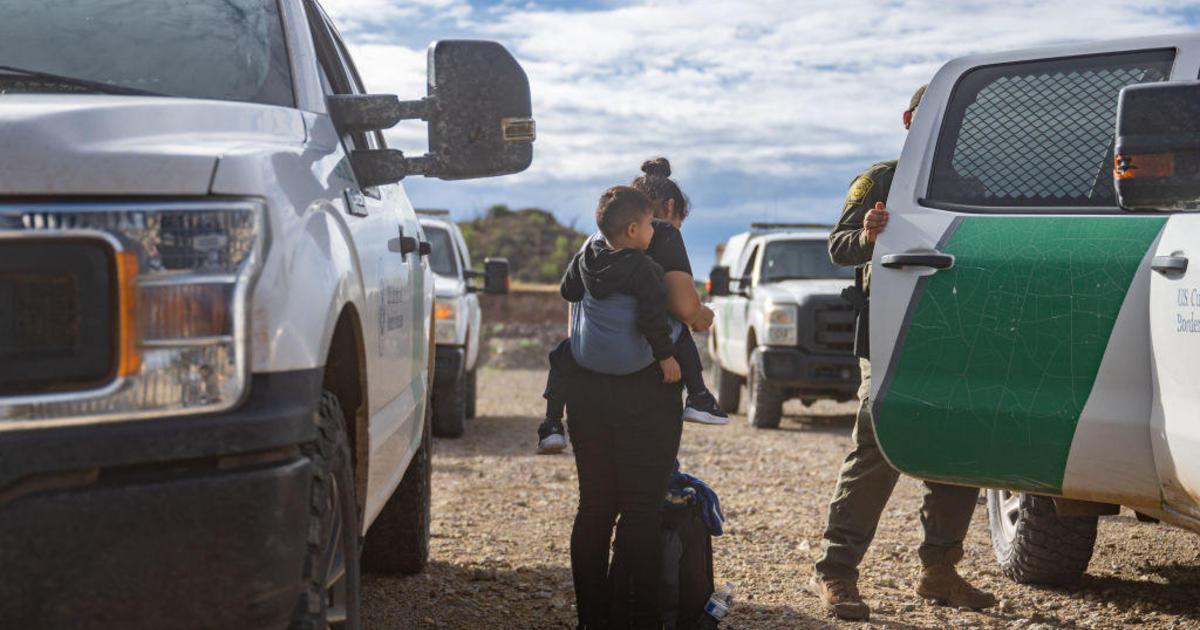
(619, 314)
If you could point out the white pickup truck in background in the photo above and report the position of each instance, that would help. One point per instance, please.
(781, 326)
(216, 310)
(457, 320)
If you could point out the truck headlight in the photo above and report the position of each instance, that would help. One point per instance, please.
(781, 325)
(445, 320)
(183, 274)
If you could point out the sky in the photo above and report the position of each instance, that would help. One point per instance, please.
(767, 109)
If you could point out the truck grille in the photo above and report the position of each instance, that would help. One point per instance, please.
(57, 306)
(833, 326)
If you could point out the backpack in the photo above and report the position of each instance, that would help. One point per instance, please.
(687, 571)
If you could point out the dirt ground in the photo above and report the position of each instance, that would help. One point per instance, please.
(502, 519)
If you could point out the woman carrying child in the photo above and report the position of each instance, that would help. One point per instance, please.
(623, 404)
(666, 248)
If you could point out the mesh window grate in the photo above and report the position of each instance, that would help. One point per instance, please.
(1037, 133)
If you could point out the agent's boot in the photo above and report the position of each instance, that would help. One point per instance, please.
(942, 584)
(839, 597)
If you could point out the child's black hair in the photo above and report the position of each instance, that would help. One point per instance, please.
(619, 206)
(659, 187)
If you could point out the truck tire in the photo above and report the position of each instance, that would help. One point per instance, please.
(1033, 544)
(398, 541)
(471, 386)
(764, 408)
(450, 407)
(729, 387)
(329, 591)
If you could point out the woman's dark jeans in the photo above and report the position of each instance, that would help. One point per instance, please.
(625, 433)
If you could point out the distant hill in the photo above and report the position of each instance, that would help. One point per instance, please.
(536, 245)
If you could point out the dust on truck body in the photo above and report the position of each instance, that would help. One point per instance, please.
(1031, 306)
(216, 309)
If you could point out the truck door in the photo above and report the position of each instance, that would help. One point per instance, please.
(1008, 293)
(383, 223)
(738, 312)
(1175, 339)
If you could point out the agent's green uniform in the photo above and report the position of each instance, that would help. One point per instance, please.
(866, 480)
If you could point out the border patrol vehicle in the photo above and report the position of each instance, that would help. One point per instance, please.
(216, 310)
(457, 319)
(781, 326)
(1035, 328)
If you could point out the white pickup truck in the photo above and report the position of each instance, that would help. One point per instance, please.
(216, 310)
(781, 325)
(457, 319)
(1034, 327)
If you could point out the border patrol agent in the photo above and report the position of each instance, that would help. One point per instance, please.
(866, 480)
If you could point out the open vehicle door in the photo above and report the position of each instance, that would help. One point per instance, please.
(1009, 333)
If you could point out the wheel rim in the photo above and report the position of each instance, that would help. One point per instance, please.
(335, 561)
(1010, 512)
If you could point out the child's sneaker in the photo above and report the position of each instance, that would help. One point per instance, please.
(703, 408)
(550, 437)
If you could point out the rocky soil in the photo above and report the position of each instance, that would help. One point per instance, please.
(502, 518)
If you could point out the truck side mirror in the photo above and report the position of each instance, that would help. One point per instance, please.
(495, 276)
(718, 281)
(481, 123)
(1157, 165)
(479, 113)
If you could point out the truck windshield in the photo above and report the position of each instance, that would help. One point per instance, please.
(220, 49)
(800, 260)
(442, 257)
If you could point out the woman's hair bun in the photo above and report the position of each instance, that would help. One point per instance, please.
(657, 166)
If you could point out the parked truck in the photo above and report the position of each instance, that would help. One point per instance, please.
(781, 326)
(216, 310)
(1033, 325)
(457, 320)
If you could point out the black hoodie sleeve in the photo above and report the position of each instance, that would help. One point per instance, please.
(651, 294)
(571, 288)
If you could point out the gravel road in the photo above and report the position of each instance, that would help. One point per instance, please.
(502, 518)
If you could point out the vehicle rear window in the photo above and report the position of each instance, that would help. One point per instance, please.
(220, 49)
(442, 257)
(799, 260)
(1037, 134)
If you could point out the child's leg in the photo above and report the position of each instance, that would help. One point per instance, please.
(688, 357)
(561, 363)
(701, 405)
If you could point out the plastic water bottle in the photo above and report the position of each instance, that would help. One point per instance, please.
(717, 607)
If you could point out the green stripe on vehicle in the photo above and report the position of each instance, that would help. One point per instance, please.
(1003, 348)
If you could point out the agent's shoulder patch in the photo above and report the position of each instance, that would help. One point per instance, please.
(859, 189)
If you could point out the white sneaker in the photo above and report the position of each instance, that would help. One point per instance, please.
(704, 410)
(551, 444)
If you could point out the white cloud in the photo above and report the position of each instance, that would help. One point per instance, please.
(769, 90)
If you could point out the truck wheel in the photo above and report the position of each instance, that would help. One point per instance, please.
(471, 393)
(764, 408)
(729, 387)
(329, 593)
(1033, 544)
(450, 407)
(398, 541)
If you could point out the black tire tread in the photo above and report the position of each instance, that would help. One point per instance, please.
(729, 388)
(472, 384)
(1047, 548)
(398, 541)
(450, 408)
(330, 450)
(765, 406)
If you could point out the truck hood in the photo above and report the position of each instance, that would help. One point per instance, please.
(446, 286)
(129, 145)
(795, 291)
